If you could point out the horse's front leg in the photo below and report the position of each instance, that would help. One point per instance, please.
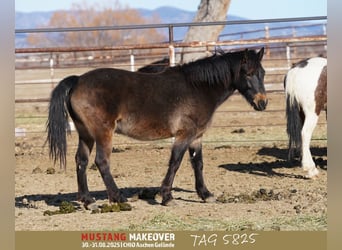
(177, 154)
(196, 159)
(102, 161)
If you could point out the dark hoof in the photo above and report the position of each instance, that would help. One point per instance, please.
(167, 200)
(117, 199)
(206, 196)
(169, 203)
(86, 200)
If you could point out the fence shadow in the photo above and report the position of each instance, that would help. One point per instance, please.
(262, 169)
(145, 193)
(268, 168)
(281, 153)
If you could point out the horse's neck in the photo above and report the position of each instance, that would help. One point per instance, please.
(219, 96)
(217, 88)
(225, 95)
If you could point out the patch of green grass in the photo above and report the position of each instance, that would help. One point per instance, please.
(301, 223)
(173, 222)
(116, 207)
(64, 208)
(161, 222)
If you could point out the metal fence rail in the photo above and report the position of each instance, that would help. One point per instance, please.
(168, 25)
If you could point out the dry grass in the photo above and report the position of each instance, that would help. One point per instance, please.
(167, 221)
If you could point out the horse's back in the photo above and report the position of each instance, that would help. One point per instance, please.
(305, 73)
(303, 78)
(139, 105)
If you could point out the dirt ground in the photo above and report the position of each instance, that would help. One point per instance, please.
(244, 166)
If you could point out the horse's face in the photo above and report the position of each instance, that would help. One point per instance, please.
(251, 80)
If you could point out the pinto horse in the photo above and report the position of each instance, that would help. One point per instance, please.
(178, 102)
(306, 95)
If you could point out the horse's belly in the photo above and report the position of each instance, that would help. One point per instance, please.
(143, 130)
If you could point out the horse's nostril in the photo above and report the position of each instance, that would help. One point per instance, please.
(262, 104)
(265, 103)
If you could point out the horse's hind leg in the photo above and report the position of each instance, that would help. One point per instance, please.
(82, 158)
(195, 152)
(307, 162)
(102, 160)
(85, 145)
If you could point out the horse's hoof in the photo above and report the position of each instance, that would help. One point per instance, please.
(169, 203)
(312, 174)
(166, 200)
(210, 199)
(92, 206)
(311, 177)
(85, 199)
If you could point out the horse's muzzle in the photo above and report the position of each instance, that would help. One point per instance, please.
(260, 102)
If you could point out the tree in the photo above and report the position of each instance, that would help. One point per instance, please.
(84, 15)
(208, 11)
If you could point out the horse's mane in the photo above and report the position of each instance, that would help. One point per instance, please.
(156, 67)
(217, 70)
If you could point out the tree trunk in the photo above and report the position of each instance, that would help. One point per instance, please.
(208, 11)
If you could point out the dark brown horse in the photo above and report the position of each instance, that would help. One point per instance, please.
(179, 102)
(156, 67)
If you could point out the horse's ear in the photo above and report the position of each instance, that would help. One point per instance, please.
(261, 53)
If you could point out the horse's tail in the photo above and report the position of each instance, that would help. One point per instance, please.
(294, 125)
(57, 124)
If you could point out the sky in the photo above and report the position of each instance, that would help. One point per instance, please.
(250, 9)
